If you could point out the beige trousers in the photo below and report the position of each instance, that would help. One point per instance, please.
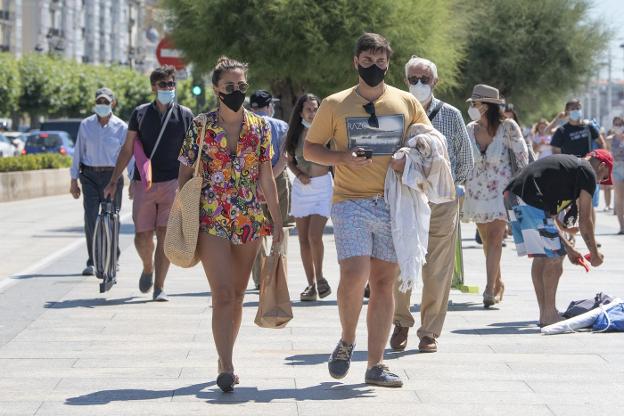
(437, 274)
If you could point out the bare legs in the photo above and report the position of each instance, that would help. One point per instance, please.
(227, 268)
(545, 273)
(153, 258)
(492, 234)
(354, 273)
(619, 203)
(310, 231)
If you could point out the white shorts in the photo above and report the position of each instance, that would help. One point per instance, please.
(314, 198)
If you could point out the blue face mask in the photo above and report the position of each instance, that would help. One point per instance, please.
(103, 110)
(166, 96)
(576, 115)
(305, 124)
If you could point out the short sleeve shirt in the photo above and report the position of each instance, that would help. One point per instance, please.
(554, 182)
(341, 119)
(575, 140)
(165, 163)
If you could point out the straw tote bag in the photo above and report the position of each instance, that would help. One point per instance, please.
(183, 223)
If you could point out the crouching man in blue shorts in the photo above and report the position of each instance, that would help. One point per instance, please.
(534, 198)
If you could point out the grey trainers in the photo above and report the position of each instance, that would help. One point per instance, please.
(88, 271)
(340, 360)
(159, 295)
(380, 375)
(145, 282)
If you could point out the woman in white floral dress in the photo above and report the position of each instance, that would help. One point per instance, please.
(493, 140)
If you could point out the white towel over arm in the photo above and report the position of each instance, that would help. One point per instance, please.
(426, 178)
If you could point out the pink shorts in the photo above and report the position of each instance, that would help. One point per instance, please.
(150, 209)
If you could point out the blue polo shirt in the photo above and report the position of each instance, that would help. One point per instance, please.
(278, 135)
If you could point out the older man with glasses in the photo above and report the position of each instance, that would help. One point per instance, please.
(421, 77)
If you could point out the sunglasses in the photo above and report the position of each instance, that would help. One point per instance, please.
(165, 84)
(230, 87)
(370, 110)
(423, 80)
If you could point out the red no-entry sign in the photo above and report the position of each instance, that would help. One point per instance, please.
(167, 54)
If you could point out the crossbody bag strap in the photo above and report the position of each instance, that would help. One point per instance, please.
(201, 145)
(162, 130)
(436, 110)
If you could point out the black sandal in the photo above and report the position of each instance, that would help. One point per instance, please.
(226, 382)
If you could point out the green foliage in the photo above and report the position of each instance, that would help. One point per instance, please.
(58, 88)
(535, 53)
(298, 45)
(34, 162)
(9, 84)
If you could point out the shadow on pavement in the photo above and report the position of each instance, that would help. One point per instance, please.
(126, 228)
(94, 302)
(503, 328)
(325, 391)
(255, 304)
(190, 294)
(465, 307)
(315, 359)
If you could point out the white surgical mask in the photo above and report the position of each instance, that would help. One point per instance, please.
(103, 110)
(618, 129)
(305, 124)
(166, 96)
(420, 91)
(474, 113)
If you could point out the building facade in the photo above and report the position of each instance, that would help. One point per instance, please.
(102, 32)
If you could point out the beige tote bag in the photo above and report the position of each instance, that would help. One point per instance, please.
(274, 308)
(183, 223)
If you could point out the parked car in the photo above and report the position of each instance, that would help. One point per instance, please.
(69, 125)
(49, 142)
(17, 138)
(6, 147)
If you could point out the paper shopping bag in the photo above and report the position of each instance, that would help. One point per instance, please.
(274, 309)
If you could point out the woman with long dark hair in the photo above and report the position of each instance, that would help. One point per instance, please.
(495, 141)
(310, 199)
(235, 162)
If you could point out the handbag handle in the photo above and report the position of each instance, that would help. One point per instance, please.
(200, 147)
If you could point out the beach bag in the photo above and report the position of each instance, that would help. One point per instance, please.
(578, 307)
(105, 244)
(274, 308)
(183, 223)
(611, 319)
(143, 163)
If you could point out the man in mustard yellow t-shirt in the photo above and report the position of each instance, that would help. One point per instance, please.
(366, 125)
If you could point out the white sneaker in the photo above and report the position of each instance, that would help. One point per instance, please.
(159, 295)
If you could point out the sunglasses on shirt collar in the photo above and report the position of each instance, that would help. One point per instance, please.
(166, 84)
(370, 110)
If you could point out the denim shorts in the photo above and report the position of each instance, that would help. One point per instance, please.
(362, 227)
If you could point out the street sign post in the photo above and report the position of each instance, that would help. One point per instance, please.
(167, 54)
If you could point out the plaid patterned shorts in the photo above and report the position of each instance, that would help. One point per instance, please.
(362, 228)
(535, 234)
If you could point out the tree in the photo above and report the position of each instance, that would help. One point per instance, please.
(9, 84)
(294, 46)
(535, 53)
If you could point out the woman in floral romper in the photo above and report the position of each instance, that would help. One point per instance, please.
(492, 137)
(236, 162)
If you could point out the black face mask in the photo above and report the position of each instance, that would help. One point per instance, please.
(234, 100)
(372, 75)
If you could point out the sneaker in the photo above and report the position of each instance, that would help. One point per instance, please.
(323, 288)
(380, 375)
(340, 360)
(145, 282)
(309, 294)
(159, 295)
(88, 271)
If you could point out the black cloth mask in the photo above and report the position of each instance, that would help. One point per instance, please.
(234, 101)
(372, 75)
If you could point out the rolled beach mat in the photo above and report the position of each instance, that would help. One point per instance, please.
(584, 320)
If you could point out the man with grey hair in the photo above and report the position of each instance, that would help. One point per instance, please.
(421, 76)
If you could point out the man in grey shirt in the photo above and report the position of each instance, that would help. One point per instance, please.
(99, 141)
(421, 76)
